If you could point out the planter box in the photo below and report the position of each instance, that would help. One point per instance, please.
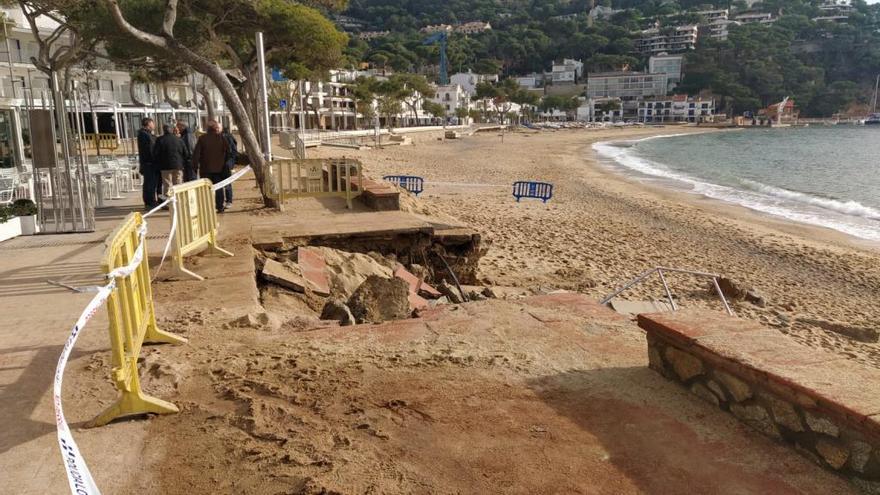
(9, 229)
(29, 225)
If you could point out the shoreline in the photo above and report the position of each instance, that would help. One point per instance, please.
(602, 228)
(751, 216)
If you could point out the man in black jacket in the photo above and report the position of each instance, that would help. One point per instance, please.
(189, 139)
(170, 154)
(231, 157)
(148, 171)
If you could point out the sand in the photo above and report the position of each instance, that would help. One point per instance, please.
(602, 229)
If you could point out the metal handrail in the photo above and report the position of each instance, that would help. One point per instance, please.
(659, 270)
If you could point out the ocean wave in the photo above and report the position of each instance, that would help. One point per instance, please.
(849, 217)
(846, 207)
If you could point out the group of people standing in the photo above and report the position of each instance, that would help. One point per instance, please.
(178, 156)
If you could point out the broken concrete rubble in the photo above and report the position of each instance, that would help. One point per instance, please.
(380, 299)
(336, 310)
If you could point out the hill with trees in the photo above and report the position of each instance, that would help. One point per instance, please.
(825, 67)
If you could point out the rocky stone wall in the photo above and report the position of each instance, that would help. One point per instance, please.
(784, 413)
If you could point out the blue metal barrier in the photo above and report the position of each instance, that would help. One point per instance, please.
(537, 190)
(411, 183)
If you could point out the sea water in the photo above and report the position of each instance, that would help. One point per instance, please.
(824, 176)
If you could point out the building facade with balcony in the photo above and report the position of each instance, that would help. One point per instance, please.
(677, 108)
(625, 85)
(670, 39)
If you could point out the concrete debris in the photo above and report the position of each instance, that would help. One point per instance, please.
(450, 291)
(259, 321)
(314, 269)
(756, 298)
(336, 310)
(349, 270)
(286, 275)
(380, 299)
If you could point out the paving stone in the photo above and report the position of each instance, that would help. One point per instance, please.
(756, 417)
(716, 389)
(279, 274)
(737, 388)
(834, 454)
(313, 267)
(655, 361)
(860, 453)
(684, 365)
(821, 425)
(784, 414)
(704, 393)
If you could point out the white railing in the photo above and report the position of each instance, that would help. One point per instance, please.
(659, 271)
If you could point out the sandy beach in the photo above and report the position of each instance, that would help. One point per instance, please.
(601, 229)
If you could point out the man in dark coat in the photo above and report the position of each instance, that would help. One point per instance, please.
(209, 158)
(231, 157)
(148, 171)
(189, 139)
(170, 154)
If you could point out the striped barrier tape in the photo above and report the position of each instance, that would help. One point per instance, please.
(79, 477)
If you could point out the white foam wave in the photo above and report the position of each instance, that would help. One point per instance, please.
(849, 217)
(846, 207)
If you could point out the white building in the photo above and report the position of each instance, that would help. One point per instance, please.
(473, 27)
(670, 65)
(530, 81)
(709, 16)
(602, 12)
(568, 71)
(720, 28)
(625, 85)
(678, 108)
(671, 39)
(468, 80)
(452, 97)
(108, 100)
(756, 17)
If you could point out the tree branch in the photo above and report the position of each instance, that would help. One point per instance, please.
(125, 26)
(170, 18)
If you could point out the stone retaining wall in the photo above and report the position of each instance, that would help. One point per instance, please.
(729, 373)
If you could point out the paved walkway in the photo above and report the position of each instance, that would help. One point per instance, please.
(37, 317)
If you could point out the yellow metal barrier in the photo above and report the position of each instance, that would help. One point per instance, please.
(132, 324)
(196, 223)
(314, 178)
(104, 141)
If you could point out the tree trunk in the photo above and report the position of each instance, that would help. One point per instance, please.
(209, 103)
(245, 126)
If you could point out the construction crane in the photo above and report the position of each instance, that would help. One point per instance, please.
(440, 38)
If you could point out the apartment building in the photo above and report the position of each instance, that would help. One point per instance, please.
(677, 108)
(669, 65)
(669, 39)
(469, 80)
(453, 98)
(755, 17)
(107, 99)
(568, 71)
(625, 85)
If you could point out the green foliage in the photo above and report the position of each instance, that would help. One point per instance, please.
(758, 65)
(23, 208)
(433, 108)
(5, 213)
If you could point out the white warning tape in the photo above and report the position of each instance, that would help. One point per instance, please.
(78, 475)
(170, 235)
(232, 178)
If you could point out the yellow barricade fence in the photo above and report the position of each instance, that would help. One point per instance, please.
(132, 322)
(196, 223)
(318, 177)
(104, 141)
